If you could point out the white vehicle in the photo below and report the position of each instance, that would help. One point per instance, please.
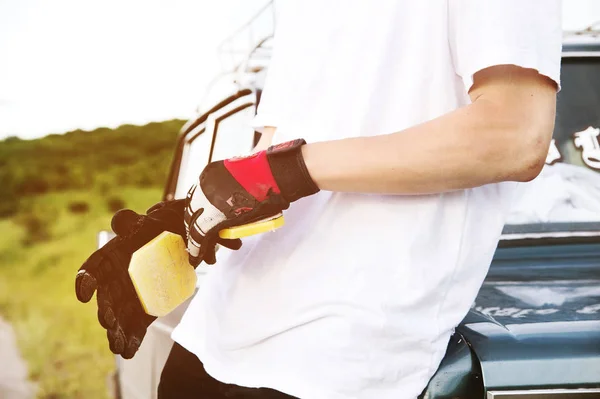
(221, 129)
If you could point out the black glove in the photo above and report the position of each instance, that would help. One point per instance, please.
(105, 271)
(243, 190)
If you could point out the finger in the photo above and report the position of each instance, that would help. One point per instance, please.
(130, 322)
(89, 274)
(193, 247)
(133, 344)
(106, 313)
(210, 257)
(124, 222)
(188, 214)
(134, 340)
(97, 267)
(115, 290)
(195, 235)
(233, 244)
(138, 329)
(156, 207)
(116, 339)
(170, 217)
(85, 285)
(208, 252)
(175, 206)
(187, 210)
(194, 260)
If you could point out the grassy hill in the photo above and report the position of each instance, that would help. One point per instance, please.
(56, 193)
(101, 159)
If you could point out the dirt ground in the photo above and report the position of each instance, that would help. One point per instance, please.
(13, 370)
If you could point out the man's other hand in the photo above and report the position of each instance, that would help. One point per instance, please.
(106, 273)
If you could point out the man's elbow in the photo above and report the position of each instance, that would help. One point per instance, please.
(518, 105)
(529, 168)
(529, 152)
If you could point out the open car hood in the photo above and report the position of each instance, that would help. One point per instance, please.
(536, 320)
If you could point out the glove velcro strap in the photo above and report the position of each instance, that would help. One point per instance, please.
(289, 170)
(254, 174)
(236, 187)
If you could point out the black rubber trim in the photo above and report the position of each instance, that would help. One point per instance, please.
(562, 227)
(169, 192)
(576, 47)
(257, 134)
(548, 241)
(195, 136)
(217, 107)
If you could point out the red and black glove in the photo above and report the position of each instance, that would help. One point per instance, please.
(243, 190)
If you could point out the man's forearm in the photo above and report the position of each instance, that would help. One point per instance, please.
(469, 147)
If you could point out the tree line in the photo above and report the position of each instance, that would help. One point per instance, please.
(103, 159)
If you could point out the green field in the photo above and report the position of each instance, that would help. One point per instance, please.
(64, 346)
(48, 232)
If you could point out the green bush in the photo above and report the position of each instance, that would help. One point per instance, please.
(114, 204)
(36, 226)
(9, 205)
(78, 207)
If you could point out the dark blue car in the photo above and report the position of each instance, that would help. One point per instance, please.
(534, 329)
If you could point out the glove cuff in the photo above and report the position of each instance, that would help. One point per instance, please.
(289, 170)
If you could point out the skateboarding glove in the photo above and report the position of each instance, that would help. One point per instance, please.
(106, 273)
(243, 190)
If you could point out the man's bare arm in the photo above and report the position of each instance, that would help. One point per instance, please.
(503, 135)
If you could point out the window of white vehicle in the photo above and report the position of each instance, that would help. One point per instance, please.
(567, 191)
(229, 128)
(194, 158)
(233, 134)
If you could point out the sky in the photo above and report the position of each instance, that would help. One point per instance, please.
(68, 64)
(83, 64)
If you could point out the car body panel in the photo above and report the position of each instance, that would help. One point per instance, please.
(459, 374)
(535, 324)
(540, 355)
(536, 320)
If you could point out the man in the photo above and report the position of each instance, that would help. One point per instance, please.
(420, 118)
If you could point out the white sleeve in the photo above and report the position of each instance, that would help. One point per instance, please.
(526, 33)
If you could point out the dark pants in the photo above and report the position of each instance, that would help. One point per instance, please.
(184, 377)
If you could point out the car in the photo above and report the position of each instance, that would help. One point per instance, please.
(534, 329)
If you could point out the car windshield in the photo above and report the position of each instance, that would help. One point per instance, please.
(566, 195)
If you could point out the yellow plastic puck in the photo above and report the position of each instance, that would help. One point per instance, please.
(250, 229)
(161, 274)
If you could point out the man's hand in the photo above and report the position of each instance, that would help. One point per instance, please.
(106, 273)
(239, 191)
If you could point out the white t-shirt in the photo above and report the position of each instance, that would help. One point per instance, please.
(358, 294)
